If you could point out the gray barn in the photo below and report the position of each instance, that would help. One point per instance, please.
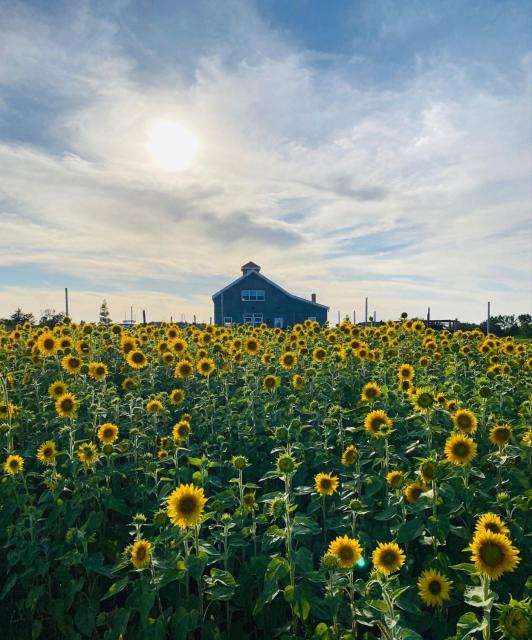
(255, 299)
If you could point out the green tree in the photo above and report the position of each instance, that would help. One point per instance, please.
(104, 314)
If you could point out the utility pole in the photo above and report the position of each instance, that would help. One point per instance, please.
(374, 317)
(66, 302)
(366, 314)
(338, 317)
(144, 317)
(354, 317)
(488, 319)
(428, 316)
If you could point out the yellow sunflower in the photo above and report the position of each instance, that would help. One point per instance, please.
(270, 382)
(57, 389)
(205, 367)
(424, 399)
(325, 484)
(347, 551)
(140, 554)
(465, 420)
(154, 406)
(181, 430)
(491, 522)
(433, 588)
(370, 392)
(288, 360)
(46, 452)
(413, 492)
(46, 343)
(493, 554)
(319, 354)
(87, 453)
(136, 359)
(350, 456)
(128, 384)
(183, 369)
(98, 370)
(66, 405)
(108, 433)
(388, 558)
(500, 434)
(176, 396)
(71, 364)
(460, 449)
(378, 424)
(253, 346)
(395, 479)
(14, 464)
(405, 372)
(298, 381)
(185, 505)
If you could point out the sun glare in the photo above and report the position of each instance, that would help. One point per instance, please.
(171, 145)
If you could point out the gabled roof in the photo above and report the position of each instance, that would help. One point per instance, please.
(256, 273)
(250, 265)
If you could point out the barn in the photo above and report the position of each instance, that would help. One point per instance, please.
(255, 299)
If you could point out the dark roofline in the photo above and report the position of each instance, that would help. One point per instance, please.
(290, 295)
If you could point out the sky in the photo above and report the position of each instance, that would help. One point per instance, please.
(363, 148)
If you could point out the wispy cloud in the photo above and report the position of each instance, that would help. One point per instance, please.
(411, 187)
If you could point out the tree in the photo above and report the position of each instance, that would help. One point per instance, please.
(49, 318)
(19, 317)
(104, 314)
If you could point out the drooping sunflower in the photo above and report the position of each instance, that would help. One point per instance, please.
(154, 406)
(270, 381)
(326, 484)
(465, 420)
(47, 452)
(493, 554)
(136, 359)
(413, 492)
(140, 554)
(183, 369)
(460, 449)
(181, 430)
(205, 367)
(433, 588)
(98, 371)
(491, 522)
(14, 464)
(288, 360)
(108, 433)
(429, 470)
(185, 505)
(370, 392)
(378, 424)
(88, 453)
(350, 456)
(388, 558)
(71, 364)
(405, 372)
(66, 405)
(347, 551)
(515, 620)
(500, 434)
(128, 384)
(57, 389)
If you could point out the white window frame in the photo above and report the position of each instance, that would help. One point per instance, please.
(278, 323)
(253, 295)
(253, 319)
(228, 321)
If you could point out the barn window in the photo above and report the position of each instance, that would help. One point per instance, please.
(253, 318)
(228, 321)
(253, 295)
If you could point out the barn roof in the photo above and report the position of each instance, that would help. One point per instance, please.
(256, 273)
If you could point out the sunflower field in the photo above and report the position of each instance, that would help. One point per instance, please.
(246, 482)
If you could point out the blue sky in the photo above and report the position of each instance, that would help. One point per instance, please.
(352, 148)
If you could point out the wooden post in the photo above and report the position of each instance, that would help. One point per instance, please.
(194, 318)
(144, 317)
(428, 316)
(354, 316)
(366, 314)
(374, 317)
(488, 319)
(66, 302)
(338, 317)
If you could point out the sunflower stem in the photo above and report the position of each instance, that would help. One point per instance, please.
(486, 632)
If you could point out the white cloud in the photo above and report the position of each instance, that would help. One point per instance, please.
(295, 164)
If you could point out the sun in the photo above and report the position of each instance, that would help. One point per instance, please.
(171, 145)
